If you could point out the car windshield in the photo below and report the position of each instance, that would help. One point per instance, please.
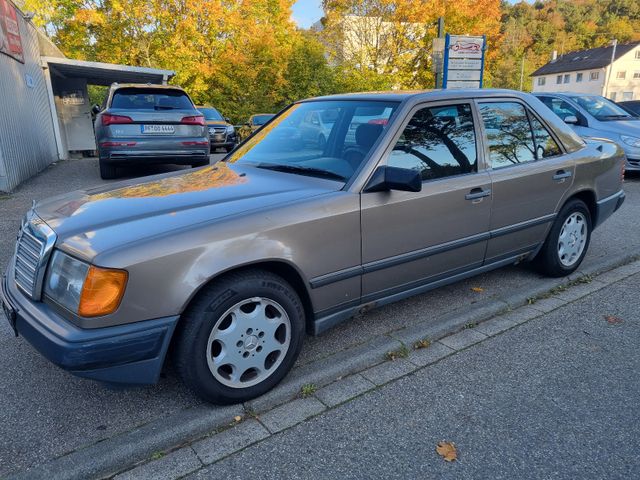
(601, 108)
(262, 119)
(327, 139)
(150, 99)
(211, 113)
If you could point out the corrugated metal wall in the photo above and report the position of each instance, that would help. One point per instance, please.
(27, 141)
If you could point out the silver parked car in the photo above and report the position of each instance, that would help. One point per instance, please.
(230, 265)
(142, 124)
(596, 116)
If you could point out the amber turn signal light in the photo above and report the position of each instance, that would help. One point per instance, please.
(102, 291)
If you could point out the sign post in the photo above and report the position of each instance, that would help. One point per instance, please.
(463, 61)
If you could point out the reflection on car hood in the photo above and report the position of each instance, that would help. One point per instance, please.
(92, 221)
(624, 127)
(217, 123)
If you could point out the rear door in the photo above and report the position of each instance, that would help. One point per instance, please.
(530, 174)
(410, 239)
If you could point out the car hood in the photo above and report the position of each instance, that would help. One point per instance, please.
(89, 222)
(622, 127)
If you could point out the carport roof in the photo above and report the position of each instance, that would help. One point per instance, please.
(98, 73)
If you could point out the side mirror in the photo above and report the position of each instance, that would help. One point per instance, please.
(95, 109)
(571, 120)
(387, 178)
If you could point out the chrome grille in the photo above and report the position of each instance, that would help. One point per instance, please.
(35, 241)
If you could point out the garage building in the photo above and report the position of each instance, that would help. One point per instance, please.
(45, 113)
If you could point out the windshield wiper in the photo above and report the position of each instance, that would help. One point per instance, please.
(311, 171)
(616, 116)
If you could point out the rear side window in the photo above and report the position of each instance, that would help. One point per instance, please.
(546, 146)
(150, 99)
(438, 142)
(508, 133)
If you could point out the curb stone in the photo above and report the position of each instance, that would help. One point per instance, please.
(107, 458)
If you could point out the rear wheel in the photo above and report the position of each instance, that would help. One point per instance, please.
(107, 171)
(239, 337)
(567, 242)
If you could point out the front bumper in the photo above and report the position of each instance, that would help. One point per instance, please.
(125, 354)
(632, 165)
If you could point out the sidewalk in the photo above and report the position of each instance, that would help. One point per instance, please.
(545, 391)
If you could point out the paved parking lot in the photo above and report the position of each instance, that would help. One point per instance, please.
(37, 400)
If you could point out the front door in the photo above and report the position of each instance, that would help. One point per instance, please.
(530, 175)
(411, 239)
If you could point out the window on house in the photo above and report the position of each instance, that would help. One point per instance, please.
(559, 79)
(578, 77)
(567, 77)
(626, 96)
(543, 80)
(594, 75)
(621, 75)
(636, 75)
(637, 54)
(613, 96)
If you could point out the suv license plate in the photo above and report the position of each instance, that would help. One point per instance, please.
(158, 129)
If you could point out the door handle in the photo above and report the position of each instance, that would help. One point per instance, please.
(476, 193)
(561, 175)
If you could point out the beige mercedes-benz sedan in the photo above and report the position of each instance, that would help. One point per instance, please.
(229, 265)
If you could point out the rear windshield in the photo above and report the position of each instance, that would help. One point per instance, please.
(150, 99)
(210, 113)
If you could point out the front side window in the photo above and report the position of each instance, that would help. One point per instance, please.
(560, 107)
(314, 138)
(508, 133)
(437, 142)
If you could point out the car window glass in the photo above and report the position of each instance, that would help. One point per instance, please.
(313, 135)
(546, 146)
(150, 99)
(366, 115)
(438, 142)
(211, 114)
(560, 107)
(600, 107)
(508, 133)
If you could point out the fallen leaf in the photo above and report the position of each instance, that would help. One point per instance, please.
(447, 450)
(237, 418)
(612, 319)
(477, 289)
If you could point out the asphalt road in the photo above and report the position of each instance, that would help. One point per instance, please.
(37, 400)
(553, 398)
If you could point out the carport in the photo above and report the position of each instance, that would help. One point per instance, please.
(67, 82)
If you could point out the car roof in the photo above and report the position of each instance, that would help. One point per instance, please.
(567, 94)
(417, 95)
(117, 86)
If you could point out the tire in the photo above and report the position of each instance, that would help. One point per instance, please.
(107, 171)
(200, 164)
(219, 338)
(574, 222)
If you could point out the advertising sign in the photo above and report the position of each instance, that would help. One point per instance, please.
(463, 61)
(10, 41)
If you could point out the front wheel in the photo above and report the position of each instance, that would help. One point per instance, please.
(567, 242)
(239, 337)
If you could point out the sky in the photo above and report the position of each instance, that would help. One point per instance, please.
(307, 12)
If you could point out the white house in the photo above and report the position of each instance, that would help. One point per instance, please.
(592, 71)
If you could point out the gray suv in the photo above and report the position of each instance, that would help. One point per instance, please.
(229, 265)
(143, 124)
(595, 116)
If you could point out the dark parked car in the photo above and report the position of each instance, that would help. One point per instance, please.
(143, 124)
(231, 264)
(631, 106)
(221, 133)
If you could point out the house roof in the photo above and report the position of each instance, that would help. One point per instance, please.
(584, 59)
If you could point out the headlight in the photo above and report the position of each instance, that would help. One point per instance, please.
(631, 141)
(230, 129)
(84, 289)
